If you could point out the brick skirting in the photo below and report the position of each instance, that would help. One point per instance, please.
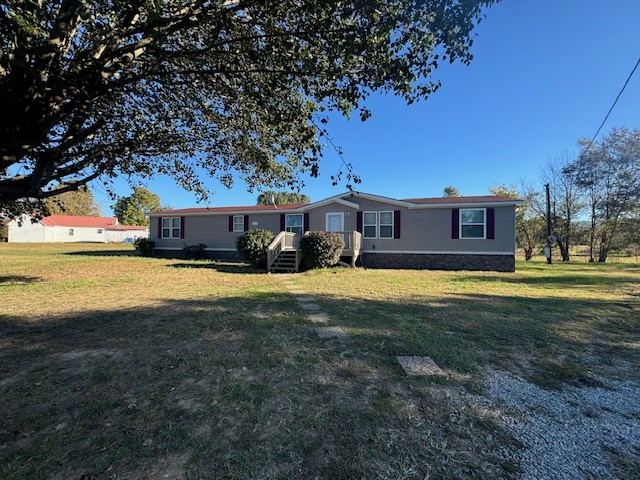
(498, 263)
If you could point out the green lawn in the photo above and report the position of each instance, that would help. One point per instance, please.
(117, 366)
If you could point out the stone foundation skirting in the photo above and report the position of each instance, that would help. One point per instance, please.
(498, 263)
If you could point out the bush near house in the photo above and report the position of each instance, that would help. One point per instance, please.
(321, 249)
(193, 252)
(252, 246)
(144, 246)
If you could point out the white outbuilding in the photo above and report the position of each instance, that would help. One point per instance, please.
(71, 228)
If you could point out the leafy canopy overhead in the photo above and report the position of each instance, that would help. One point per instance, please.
(193, 89)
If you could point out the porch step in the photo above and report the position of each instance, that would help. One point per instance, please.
(285, 262)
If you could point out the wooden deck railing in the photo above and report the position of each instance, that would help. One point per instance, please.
(291, 241)
(283, 241)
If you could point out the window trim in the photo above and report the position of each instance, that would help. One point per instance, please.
(287, 215)
(241, 226)
(392, 225)
(71, 232)
(171, 228)
(364, 224)
(99, 231)
(484, 224)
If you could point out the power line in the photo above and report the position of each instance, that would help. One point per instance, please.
(612, 106)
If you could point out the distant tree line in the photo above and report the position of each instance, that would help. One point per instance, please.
(595, 199)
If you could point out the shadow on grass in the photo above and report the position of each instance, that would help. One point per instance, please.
(568, 280)
(220, 266)
(18, 279)
(105, 253)
(241, 387)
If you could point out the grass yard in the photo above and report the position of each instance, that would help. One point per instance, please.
(120, 367)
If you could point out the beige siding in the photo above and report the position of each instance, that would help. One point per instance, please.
(213, 230)
(429, 230)
(424, 230)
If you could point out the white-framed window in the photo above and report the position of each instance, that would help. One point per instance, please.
(370, 224)
(293, 223)
(99, 231)
(473, 223)
(238, 223)
(71, 232)
(170, 227)
(386, 225)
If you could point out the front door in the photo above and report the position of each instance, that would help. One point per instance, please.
(335, 222)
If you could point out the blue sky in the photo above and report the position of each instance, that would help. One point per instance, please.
(544, 74)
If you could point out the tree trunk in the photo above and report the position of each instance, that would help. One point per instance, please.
(528, 253)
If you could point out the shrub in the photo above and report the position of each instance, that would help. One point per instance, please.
(144, 246)
(321, 249)
(193, 252)
(252, 246)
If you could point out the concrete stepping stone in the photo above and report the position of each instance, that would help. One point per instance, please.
(330, 332)
(419, 366)
(318, 317)
(310, 307)
(305, 299)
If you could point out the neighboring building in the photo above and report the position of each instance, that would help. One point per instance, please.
(454, 233)
(69, 228)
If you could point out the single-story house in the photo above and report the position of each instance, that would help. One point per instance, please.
(72, 228)
(452, 233)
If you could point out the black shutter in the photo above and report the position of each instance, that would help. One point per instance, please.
(396, 224)
(491, 224)
(305, 227)
(282, 225)
(159, 227)
(231, 223)
(246, 223)
(181, 227)
(359, 222)
(455, 223)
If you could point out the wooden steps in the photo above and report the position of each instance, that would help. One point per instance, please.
(286, 261)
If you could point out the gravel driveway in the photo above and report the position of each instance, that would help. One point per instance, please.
(571, 433)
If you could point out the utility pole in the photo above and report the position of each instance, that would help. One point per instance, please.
(548, 249)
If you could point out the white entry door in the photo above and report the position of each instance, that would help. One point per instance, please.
(335, 222)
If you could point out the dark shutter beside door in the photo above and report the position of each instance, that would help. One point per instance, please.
(359, 222)
(282, 222)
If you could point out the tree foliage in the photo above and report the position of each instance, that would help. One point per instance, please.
(207, 88)
(567, 202)
(282, 198)
(450, 191)
(608, 173)
(75, 202)
(132, 210)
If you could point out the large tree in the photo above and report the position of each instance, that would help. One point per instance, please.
(77, 202)
(609, 173)
(192, 89)
(567, 201)
(132, 209)
(282, 198)
(450, 191)
(529, 224)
